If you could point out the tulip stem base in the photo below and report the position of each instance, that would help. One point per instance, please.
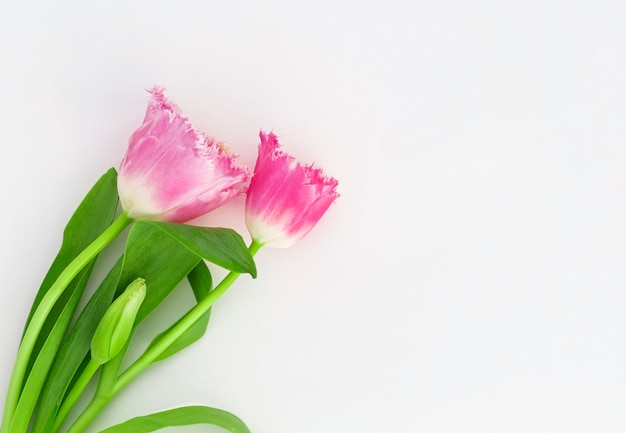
(74, 394)
(43, 310)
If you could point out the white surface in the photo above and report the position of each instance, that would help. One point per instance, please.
(470, 278)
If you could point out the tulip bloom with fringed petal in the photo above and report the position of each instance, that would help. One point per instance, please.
(171, 172)
(285, 199)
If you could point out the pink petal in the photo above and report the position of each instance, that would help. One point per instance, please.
(285, 199)
(172, 172)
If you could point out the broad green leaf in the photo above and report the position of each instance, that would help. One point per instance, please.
(221, 246)
(201, 284)
(201, 281)
(159, 259)
(91, 218)
(181, 416)
(151, 254)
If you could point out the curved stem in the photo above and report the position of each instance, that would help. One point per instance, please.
(185, 323)
(74, 394)
(95, 406)
(110, 370)
(150, 355)
(103, 392)
(45, 306)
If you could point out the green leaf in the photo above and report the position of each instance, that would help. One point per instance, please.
(200, 280)
(221, 246)
(158, 258)
(91, 218)
(201, 284)
(150, 254)
(181, 416)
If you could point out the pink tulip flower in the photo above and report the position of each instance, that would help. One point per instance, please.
(285, 199)
(172, 172)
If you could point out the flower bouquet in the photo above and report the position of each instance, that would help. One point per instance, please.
(171, 174)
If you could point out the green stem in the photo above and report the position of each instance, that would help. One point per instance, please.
(43, 310)
(107, 381)
(74, 394)
(95, 406)
(110, 370)
(150, 355)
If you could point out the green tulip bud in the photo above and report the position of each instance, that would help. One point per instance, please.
(116, 326)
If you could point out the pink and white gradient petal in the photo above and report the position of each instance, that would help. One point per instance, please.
(172, 172)
(286, 199)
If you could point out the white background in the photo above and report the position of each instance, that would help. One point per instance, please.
(470, 278)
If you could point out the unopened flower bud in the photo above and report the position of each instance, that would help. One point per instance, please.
(116, 326)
